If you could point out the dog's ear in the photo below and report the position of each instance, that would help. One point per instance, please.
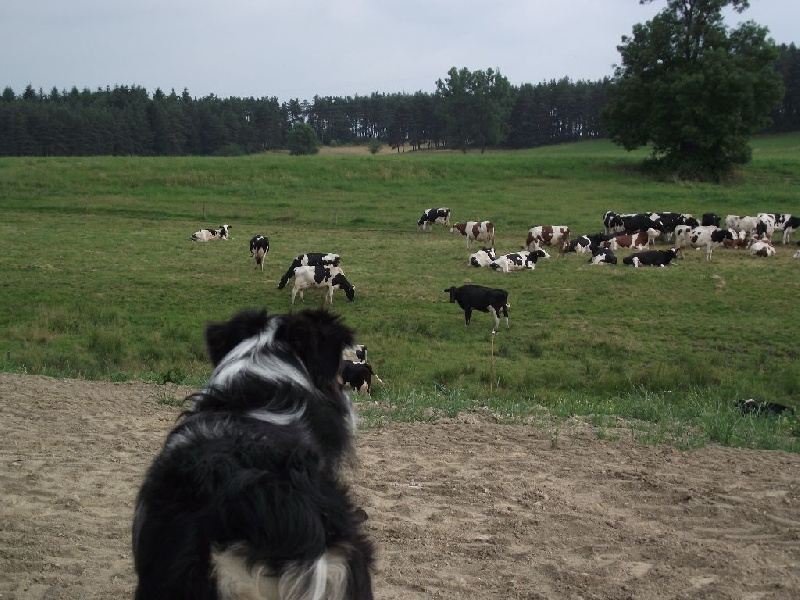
(318, 338)
(223, 337)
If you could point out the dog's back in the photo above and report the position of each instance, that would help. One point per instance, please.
(246, 499)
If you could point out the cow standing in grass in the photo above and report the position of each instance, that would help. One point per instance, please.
(484, 299)
(259, 246)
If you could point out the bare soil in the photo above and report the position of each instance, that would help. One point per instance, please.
(465, 508)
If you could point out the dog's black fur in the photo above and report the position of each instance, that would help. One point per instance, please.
(251, 477)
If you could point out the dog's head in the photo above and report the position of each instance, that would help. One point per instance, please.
(243, 345)
(282, 369)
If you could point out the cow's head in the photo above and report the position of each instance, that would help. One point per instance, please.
(341, 282)
(459, 227)
(452, 290)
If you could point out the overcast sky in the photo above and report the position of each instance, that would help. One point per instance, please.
(305, 48)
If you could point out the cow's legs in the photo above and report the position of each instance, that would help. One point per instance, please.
(467, 315)
(496, 315)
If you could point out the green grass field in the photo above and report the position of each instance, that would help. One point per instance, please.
(99, 280)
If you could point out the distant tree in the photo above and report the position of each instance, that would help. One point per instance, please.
(302, 139)
(692, 88)
(475, 106)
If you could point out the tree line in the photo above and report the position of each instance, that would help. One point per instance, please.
(469, 109)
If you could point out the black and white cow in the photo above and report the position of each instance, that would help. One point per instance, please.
(355, 353)
(210, 235)
(603, 256)
(357, 376)
(259, 246)
(671, 220)
(580, 245)
(483, 257)
(322, 276)
(432, 216)
(651, 258)
(635, 222)
(612, 222)
(789, 226)
(785, 223)
(483, 299)
(310, 259)
(518, 261)
(708, 237)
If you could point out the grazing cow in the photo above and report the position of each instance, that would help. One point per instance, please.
(612, 222)
(259, 246)
(518, 261)
(322, 276)
(547, 235)
(762, 248)
(632, 223)
(309, 259)
(651, 258)
(707, 237)
(481, 231)
(210, 235)
(603, 256)
(483, 257)
(357, 376)
(710, 219)
(484, 299)
(636, 241)
(434, 215)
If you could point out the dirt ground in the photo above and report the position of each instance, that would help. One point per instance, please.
(459, 509)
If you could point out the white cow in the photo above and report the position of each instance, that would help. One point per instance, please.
(321, 276)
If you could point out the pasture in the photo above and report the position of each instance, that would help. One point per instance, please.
(100, 281)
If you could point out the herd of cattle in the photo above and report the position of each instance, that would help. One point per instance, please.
(637, 232)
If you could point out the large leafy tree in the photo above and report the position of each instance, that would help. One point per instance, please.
(693, 88)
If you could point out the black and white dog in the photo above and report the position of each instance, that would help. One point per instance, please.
(246, 499)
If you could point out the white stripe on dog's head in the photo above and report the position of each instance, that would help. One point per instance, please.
(255, 357)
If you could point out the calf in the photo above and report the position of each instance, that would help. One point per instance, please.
(518, 261)
(481, 231)
(259, 246)
(580, 245)
(210, 235)
(483, 257)
(322, 276)
(637, 241)
(651, 258)
(762, 248)
(603, 256)
(309, 259)
(484, 299)
(432, 216)
(357, 376)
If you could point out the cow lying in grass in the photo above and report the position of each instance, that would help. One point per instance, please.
(210, 235)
